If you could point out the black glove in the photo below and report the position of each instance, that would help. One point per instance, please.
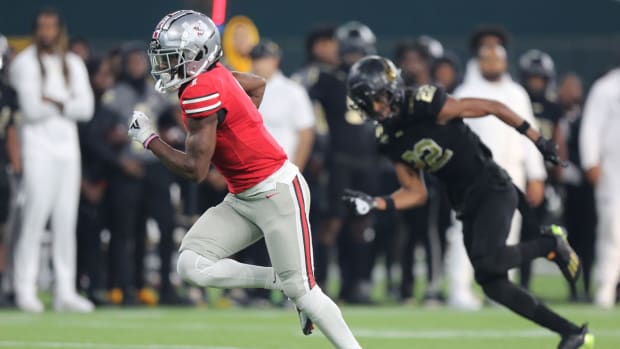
(549, 151)
(359, 202)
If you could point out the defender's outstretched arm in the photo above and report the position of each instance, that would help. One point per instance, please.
(479, 107)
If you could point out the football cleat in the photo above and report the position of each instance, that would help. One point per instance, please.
(307, 326)
(73, 303)
(582, 340)
(115, 296)
(148, 297)
(563, 254)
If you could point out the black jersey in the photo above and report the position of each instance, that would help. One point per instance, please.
(348, 133)
(547, 114)
(8, 111)
(452, 151)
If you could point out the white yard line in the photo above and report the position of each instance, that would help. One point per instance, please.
(398, 333)
(464, 334)
(88, 345)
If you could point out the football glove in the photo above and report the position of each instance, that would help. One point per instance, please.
(549, 151)
(140, 129)
(359, 202)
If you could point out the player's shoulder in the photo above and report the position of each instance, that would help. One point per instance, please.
(382, 133)
(202, 96)
(205, 84)
(426, 93)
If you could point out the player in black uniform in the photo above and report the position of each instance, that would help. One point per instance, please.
(423, 130)
(537, 74)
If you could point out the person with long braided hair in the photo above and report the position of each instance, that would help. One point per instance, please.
(53, 94)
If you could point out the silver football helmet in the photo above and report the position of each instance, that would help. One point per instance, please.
(184, 44)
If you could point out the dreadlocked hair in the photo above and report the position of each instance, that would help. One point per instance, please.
(61, 45)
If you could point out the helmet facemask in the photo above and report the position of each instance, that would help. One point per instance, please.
(363, 98)
(376, 88)
(185, 43)
(171, 68)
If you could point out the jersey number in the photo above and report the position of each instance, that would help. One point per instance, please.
(428, 155)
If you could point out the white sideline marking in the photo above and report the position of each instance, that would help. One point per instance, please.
(87, 345)
(464, 334)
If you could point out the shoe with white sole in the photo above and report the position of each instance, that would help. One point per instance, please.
(73, 303)
(465, 301)
(29, 304)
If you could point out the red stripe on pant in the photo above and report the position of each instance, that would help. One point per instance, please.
(306, 231)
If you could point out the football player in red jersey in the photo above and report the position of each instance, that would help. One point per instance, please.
(268, 196)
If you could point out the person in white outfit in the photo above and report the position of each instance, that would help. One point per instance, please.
(600, 157)
(286, 108)
(524, 163)
(53, 94)
(487, 78)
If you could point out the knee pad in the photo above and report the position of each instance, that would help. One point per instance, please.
(192, 268)
(292, 285)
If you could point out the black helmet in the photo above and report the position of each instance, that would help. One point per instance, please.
(536, 63)
(370, 78)
(355, 37)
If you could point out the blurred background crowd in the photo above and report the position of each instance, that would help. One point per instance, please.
(97, 219)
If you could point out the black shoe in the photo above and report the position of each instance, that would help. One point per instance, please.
(98, 298)
(4, 301)
(563, 254)
(434, 299)
(582, 340)
(173, 298)
(307, 326)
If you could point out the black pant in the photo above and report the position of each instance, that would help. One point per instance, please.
(89, 250)
(357, 235)
(532, 219)
(426, 225)
(485, 230)
(386, 226)
(131, 202)
(580, 218)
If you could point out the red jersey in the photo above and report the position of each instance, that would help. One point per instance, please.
(245, 152)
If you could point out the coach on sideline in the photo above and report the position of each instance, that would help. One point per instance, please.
(600, 158)
(286, 107)
(53, 93)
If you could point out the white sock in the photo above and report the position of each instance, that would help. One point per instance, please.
(327, 317)
(225, 273)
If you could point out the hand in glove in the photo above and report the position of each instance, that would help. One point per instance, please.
(360, 203)
(549, 150)
(140, 129)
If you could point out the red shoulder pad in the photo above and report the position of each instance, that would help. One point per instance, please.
(200, 99)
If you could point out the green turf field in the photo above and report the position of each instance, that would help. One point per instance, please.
(383, 327)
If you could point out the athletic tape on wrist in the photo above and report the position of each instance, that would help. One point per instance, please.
(149, 140)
